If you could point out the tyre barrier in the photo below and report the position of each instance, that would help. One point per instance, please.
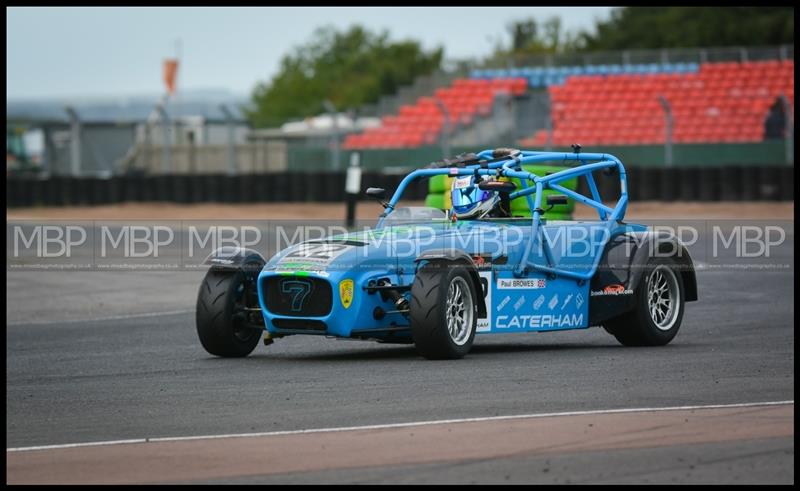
(183, 189)
(709, 184)
(688, 184)
(19, 193)
(97, 192)
(165, 188)
(769, 183)
(50, 192)
(230, 190)
(787, 183)
(731, 183)
(314, 189)
(212, 188)
(148, 189)
(247, 189)
(297, 186)
(280, 188)
(668, 186)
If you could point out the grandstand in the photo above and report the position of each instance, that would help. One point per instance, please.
(420, 124)
(723, 102)
(711, 102)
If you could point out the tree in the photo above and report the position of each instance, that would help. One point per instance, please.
(691, 27)
(349, 68)
(528, 37)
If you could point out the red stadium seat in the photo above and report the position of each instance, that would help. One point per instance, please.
(722, 102)
(421, 123)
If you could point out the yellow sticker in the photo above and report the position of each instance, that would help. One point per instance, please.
(346, 292)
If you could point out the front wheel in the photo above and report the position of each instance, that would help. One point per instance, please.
(443, 311)
(222, 316)
(659, 303)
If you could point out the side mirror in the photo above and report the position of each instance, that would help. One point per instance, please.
(556, 199)
(376, 193)
(502, 187)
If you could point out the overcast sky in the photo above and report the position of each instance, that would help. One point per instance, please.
(90, 51)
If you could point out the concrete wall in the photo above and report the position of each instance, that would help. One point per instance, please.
(706, 155)
(207, 159)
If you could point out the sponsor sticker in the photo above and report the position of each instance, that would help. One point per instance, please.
(519, 302)
(520, 283)
(485, 323)
(346, 291)
(538, 302)
(482, 262)
(503, 303)
(539, 321)
(461, 182)
(566, 301)
(553, 302)
(613, 290)
(315, 256)
(579, 300)
(301, 272)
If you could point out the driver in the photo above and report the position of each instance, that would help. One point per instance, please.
(471, 203)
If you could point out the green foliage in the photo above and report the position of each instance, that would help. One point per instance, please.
(357, 67)
(349, 68)
(651, 28)
(691, 27)
(529, 37)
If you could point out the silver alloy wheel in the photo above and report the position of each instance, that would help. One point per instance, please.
(459, 311)
(663, 297)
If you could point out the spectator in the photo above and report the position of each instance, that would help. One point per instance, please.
(775, 124)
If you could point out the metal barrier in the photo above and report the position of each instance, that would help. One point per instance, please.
(671, 55)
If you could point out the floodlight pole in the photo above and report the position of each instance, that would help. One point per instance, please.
(332, 111)
(232, 167)
(75, 141)
(176, 96)
(788, 134)
(162, 112)
(352, 188)
(445, 127)
(668, 128)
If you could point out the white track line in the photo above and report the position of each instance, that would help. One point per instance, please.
(395, 425)
(98, 319)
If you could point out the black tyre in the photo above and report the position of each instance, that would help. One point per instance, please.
(224, 324)
(659, 301)
(443, 311)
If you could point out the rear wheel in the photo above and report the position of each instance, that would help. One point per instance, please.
(443, 311)
(659, 302)
(224, 315)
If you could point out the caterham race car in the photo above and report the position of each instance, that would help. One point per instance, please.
(436, 278)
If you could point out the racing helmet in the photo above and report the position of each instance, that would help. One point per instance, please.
(468, 201)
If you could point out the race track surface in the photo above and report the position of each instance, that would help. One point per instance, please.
(90, 358)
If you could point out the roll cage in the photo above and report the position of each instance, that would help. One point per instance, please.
(508, 163)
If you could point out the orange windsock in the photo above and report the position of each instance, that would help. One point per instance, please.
(170, 74)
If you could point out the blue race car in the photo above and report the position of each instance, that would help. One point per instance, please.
(436, 278)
